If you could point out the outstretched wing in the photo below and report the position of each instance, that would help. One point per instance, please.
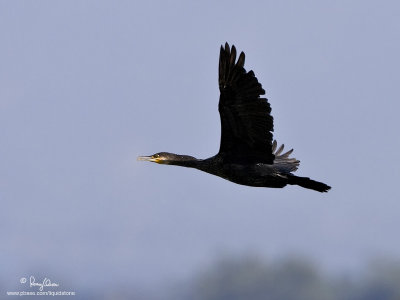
(246, 123)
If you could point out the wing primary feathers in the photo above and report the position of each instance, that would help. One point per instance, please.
(233, 56)
(246, 122)
(240, 62)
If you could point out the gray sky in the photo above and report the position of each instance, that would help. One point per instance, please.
(87, 86)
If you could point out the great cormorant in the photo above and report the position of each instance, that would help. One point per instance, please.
(248, 154)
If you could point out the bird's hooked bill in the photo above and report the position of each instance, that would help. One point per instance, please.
(153, 158)
(145, 158)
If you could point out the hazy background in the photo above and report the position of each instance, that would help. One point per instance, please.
(87, 86)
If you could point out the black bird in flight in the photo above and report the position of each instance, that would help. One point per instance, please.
(248, 154)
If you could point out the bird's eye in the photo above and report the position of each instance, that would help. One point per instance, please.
(156, 155)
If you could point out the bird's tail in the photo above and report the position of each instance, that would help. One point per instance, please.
(308, 183)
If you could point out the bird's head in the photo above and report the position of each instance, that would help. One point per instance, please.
(167, 158)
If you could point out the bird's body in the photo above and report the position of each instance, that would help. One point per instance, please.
(248, 154)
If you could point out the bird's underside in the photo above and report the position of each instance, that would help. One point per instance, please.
(248, 155)
(275, 175)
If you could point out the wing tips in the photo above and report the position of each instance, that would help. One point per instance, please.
(230, 69)
(232, 59)
(241, 59)
(229, 54)
(232, 73)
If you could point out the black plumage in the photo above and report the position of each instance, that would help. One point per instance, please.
(248, 154)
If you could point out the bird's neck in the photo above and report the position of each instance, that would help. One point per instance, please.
(210, 165)
(186, 161)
